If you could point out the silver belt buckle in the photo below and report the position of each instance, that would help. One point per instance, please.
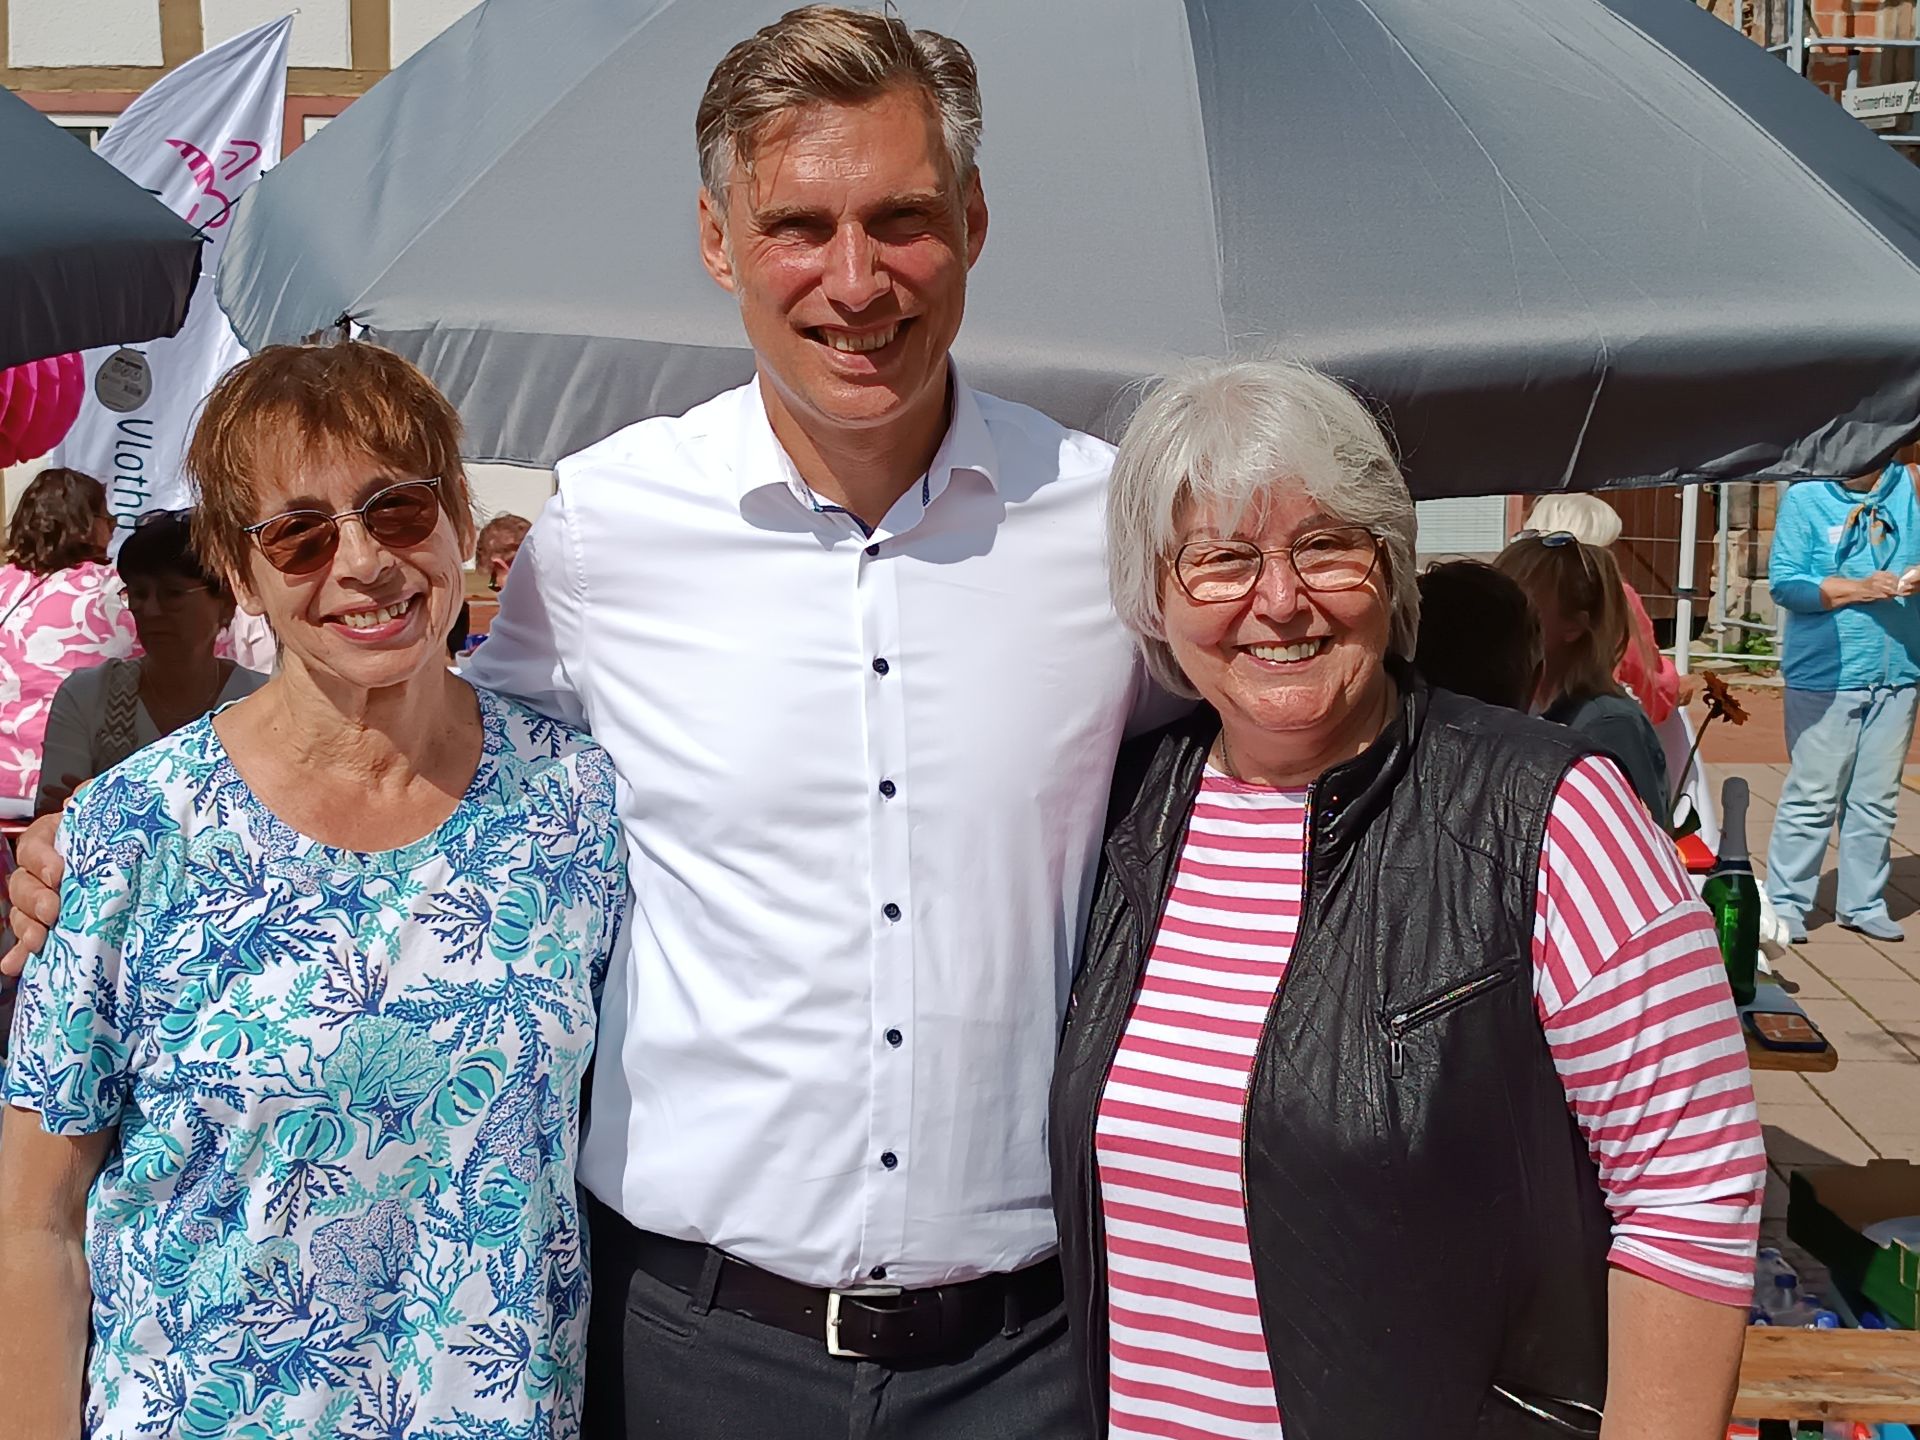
(834, 1347)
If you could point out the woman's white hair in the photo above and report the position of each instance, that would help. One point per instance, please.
(1224, 434)
(1587, 518)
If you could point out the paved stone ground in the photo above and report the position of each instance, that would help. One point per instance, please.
(1865, 996)
(1763, 736)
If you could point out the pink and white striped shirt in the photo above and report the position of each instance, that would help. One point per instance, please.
(1631, 994)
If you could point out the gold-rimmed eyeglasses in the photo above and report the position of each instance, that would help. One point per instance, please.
(1218, 572)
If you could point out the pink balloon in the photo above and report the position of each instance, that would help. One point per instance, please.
(21, 396)
(72, 391)
(6, 390)
(50, 418)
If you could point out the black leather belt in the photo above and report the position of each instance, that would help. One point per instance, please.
(868, 1322)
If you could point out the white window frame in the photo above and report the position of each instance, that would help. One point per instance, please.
(83, 122)
(1473, 526)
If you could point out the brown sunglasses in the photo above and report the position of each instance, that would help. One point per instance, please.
(299, 542)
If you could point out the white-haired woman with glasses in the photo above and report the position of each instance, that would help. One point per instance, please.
(294, 1088)
(1576, 592)
(1350, 1128)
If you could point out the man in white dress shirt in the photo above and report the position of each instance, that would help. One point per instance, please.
(845, 632)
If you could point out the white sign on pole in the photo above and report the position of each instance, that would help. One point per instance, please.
(197, 138)
(1873, 103)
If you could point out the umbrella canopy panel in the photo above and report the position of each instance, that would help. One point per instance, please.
(1563, 243)
(1641, 186)
(86, 256)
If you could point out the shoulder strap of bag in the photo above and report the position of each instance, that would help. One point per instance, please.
(115, 741)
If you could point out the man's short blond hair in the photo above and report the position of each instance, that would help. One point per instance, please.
(829, 54)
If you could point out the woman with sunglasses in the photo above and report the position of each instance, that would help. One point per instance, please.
(1334, 1149)
(179, 607)
(1646, 673)
(294, 1088)
(1576, 591)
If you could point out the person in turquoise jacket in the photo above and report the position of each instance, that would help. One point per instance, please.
(1844, 568)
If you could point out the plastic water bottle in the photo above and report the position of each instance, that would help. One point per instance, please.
(1769, 1266)
(1790, 1308)
(1779, 1296)
(1768, 1263)
(1807, 1316)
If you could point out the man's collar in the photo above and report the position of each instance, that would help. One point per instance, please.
(761, 460)
(968, 444)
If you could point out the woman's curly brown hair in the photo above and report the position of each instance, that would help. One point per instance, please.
(52, 527)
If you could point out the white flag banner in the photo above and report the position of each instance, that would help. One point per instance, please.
(197, 138)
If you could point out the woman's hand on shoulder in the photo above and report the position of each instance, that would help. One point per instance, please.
(34, 889)
(54, 796)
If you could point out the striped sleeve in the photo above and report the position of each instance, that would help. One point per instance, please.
(1633, 997)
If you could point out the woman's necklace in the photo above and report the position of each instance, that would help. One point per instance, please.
(1226, 760)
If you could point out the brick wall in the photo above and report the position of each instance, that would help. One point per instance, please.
(1750, 512)
(1765, 22)
(1850, 19)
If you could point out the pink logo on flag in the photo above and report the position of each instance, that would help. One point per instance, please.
(236, 157)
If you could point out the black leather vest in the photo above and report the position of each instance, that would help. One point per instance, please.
(1428, 1231)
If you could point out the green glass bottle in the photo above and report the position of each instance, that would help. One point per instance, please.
(1733, 896)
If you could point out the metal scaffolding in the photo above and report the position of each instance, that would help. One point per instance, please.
(1723, 624)
(1785, 28)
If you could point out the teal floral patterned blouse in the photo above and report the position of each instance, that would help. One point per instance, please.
(347, 1088)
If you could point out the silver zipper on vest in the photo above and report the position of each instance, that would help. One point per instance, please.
(1414, 1016)
(1577, 1425)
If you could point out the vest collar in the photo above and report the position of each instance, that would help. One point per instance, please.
(1345, 798)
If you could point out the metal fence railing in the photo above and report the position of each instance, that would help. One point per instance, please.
(1698, 558)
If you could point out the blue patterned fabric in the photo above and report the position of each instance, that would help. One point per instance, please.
(347, 1086)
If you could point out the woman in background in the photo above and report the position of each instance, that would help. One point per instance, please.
(1479, 636)
(1575, 590)
(1843, 552)
(497, 546)
(179, 607)
(1647, 674)
(1645, 670)
(60, 611)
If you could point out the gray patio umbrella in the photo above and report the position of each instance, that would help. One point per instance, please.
(86, 256)
(1564, 243)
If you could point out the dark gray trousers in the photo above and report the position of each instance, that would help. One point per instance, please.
(660, 1363)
